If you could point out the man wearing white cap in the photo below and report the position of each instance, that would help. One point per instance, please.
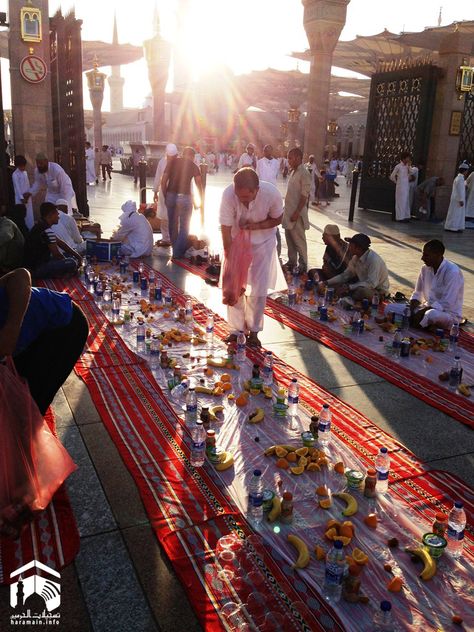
(170, 153)
(248, 158)
(52, 177)
(66, 229)
(134, 232)
(456, 217)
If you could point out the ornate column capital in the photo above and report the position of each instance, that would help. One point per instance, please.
(323, 22)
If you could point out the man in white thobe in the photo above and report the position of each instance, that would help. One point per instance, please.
(66, 229)
(268, 167)
(162, 211)
(401, 176)
(257, 207)
(21, 185)
(90, 164)
(52, 177)
(248, 158)
(456, 218)
(412, 184)
(470, 197)
(134, 232)
(439, 291)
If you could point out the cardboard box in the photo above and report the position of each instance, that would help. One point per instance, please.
(102, 250)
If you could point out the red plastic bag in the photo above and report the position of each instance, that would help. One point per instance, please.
(235, 268)
(33, 462)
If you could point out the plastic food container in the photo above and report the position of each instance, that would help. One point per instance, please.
(354, 479)
(434, 544)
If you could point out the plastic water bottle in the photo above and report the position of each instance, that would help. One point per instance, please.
(355, 323)
(397, 343)
(255, 503)
(324, 425)
(210, 327)
(198, 444)
(241, 344)
(154, 352)
(115, 309)
(455, 374)
(375, 304)
(454, 337)
(107, 294)
(180, 390)
(334, 574)
(383, 621)
(267, 369)
(293, 397)
(168, 298)
(151, 278)
(190, 416)
(382, 467)
(406, 319)
(99, 290)
(141, 337)
(141, 268)
(188, 311)
(292, 293)
(159, 289)
(455, 532)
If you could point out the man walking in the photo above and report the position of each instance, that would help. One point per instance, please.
(106, 162)
(401, 176)
(170, 154)
(90, 164)
(295, 214)
(456, 217)
(268, 166)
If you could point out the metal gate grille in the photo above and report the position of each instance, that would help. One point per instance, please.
(466, 140)
(399, 119)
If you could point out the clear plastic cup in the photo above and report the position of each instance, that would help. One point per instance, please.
(231, 542)
(273, 622)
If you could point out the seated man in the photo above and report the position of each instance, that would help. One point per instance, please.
(42, 255)
(367, 266)
(11, 245)
(336, 256)
(134, 232)
(439, 291)
(66, 229)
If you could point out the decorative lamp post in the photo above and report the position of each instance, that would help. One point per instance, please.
(323, 23)
(96, 83)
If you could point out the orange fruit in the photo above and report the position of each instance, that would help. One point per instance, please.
(341, 538)
(333, 524)
(313, 467)
(302, 451)
(325, 503)
(371, 520)
(347, 529)
(320, 553)
(297, 470)
(303, 461)
(323, 462)
(360, 557)
(292, 457)
(395, 584)
(339, 467)
(242, 399)
(322, 490)
(355, 568)
(281, 451)
(225, 377)
(218, 385)
(283, 463)
(331, 534)
(226, 386)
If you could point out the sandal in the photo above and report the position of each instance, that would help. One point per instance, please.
(230, 338)
(253, 341)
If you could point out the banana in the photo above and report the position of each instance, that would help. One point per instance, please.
(351, 506)
(303, 551)
(464, 390)
(227, 460)
(430, 564)
(256, 416)
(275, 511)
(213, 410)
(270, 451)
(267, 391)
(220, 363)
(204, 389)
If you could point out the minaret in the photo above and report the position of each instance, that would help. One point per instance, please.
(20, 595)
(440, 16)
(157, 55)
(115, 80)
(181, 70)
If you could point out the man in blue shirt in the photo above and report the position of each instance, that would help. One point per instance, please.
(44, 331)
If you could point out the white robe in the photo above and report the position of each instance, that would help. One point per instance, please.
(470, 197)
(162, 211)
(58, 186)
(136, 234)
(402, 191)
(414, 171)
(268, 169)
(456, 217)
(21, 185)
(90, 166)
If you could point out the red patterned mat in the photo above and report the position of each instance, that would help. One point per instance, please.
(52, 538)
(456, 406)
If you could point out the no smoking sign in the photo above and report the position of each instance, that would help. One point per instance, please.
(33, 69)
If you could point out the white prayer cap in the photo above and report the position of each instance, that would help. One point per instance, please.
(464, 165)
(61, 202)
(129, 206)
(171, 149)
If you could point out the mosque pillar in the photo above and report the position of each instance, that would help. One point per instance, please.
(96, 84)
(454, 51)
(157, 55)
(30, 78)
(323, 22)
